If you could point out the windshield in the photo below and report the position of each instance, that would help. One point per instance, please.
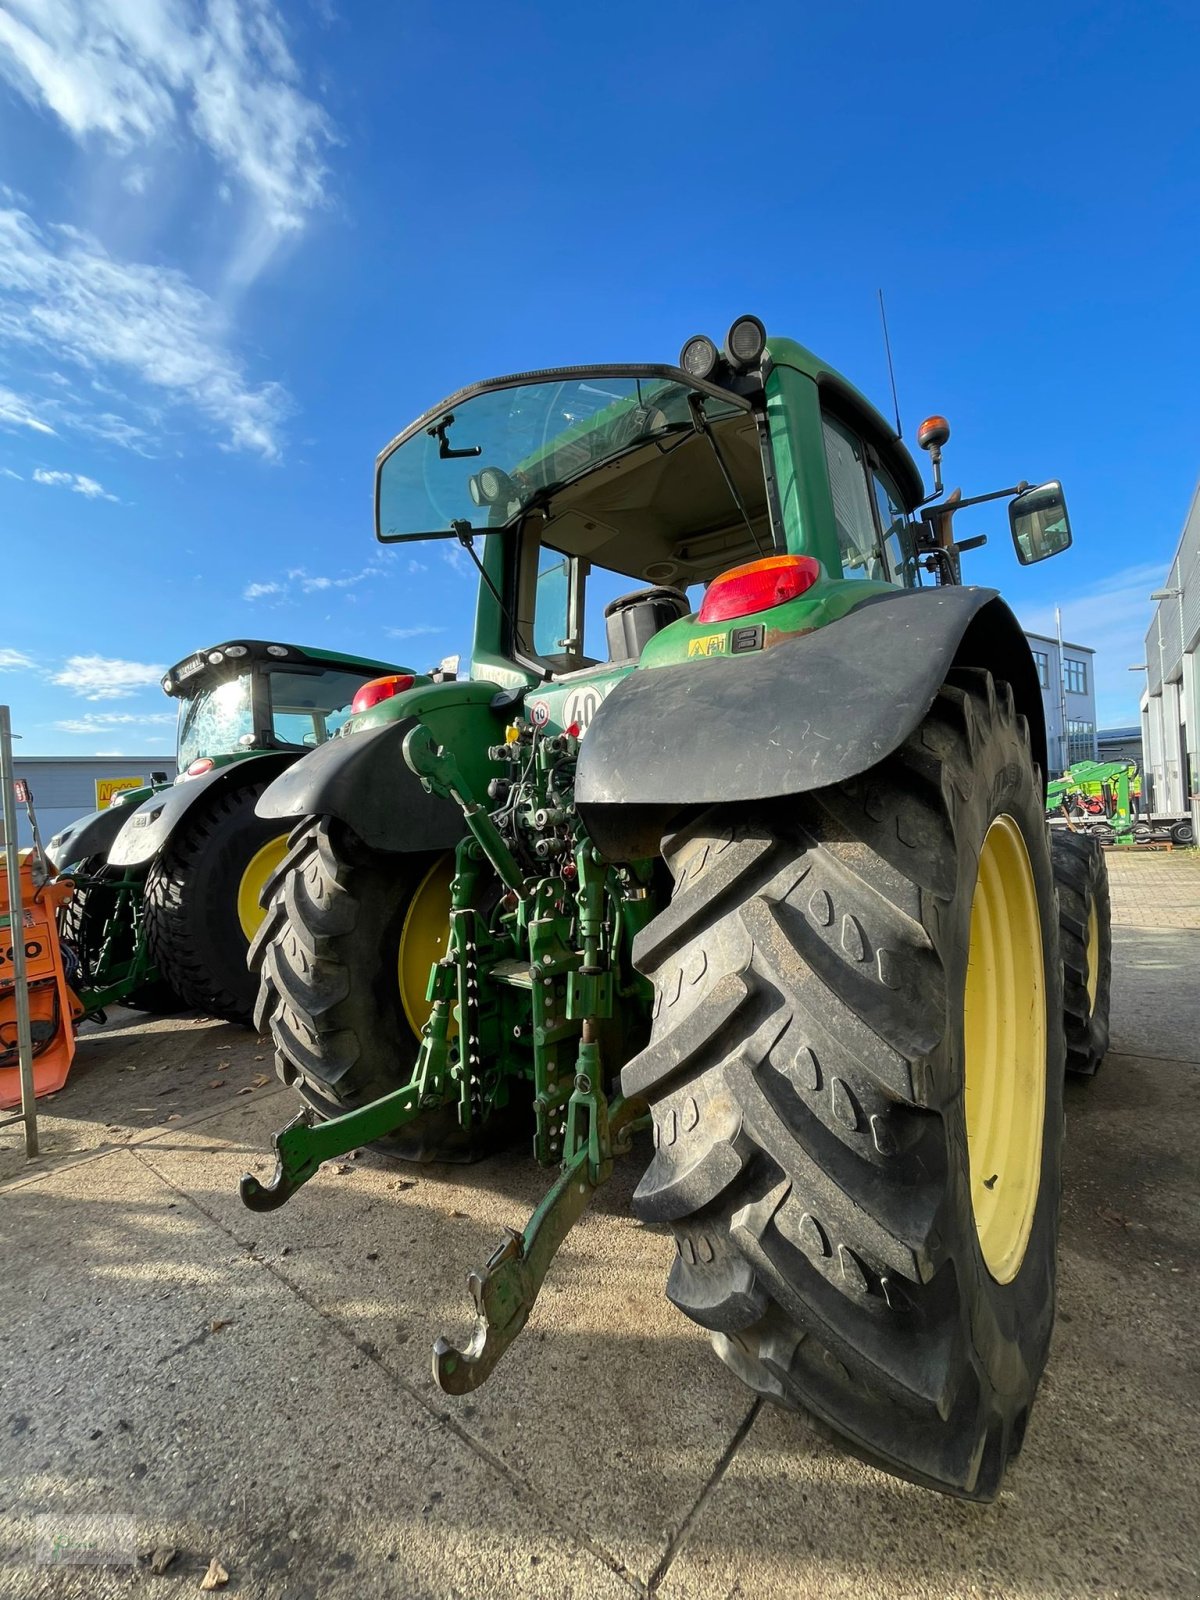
(483, 460)
(215, 721)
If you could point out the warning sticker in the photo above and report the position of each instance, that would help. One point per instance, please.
(712, 644)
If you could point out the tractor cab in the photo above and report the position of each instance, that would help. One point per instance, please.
(623, 512)
(248, 696)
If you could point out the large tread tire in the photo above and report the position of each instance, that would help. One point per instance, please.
(326, 960)
(806, 1074)
(81, 922)
(1081, 877)
(195, 936)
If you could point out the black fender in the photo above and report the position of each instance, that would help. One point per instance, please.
(155, 820)
(87, 836)
(363, 780)
(804, 713)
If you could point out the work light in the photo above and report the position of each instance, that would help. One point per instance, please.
(699, 356)
(745, 342)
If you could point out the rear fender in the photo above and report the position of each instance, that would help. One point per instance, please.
(151, 826)
(808, 712)
(363, 780)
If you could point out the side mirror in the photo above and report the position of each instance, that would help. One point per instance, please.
(1039, 522)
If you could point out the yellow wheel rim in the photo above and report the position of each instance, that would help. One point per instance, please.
(423, 939)
(1093, 956)
(254, 880)
(1004, 1028)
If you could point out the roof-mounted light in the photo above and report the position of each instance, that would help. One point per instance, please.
(215, 657)
(236, 650)
(699, 357)
(745, 343)
(277, 650)
(933, 433)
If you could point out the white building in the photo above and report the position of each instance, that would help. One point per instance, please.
(1068, 681)
(1171, 703)
(67, 787)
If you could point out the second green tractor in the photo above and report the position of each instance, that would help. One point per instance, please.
(736, 830)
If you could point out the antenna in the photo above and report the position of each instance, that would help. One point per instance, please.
(887, 345)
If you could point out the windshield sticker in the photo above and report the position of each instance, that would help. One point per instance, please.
(712, 644)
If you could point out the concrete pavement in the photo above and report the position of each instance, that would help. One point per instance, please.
(256, 1388)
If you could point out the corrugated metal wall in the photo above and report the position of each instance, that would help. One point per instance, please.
(65, 787)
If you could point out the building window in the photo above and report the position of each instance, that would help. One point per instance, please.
(1081, 739)
(1074, 676)
(1042, 662)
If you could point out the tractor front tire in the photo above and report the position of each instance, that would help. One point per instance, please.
(196, 934)
(856, 1072)
(1085, 933)
(327, 958)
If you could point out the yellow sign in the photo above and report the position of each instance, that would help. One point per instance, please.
(106, 788)
(712, 644)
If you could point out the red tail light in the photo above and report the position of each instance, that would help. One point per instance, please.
(380, 689)
(200, 766)
(758, 586)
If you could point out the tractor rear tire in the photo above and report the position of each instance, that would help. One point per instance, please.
(327, 957)
(1085, 934)
(830, 1034)
(194, 930)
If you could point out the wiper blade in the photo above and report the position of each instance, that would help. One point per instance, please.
(702, 425)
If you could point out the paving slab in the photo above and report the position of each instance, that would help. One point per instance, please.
(153, 1369)
(130, 1075)
(1156, 992)
(1154, 889)
(1102, 1502)
(606, 1372)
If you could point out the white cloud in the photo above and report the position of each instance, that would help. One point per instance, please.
(77, 482)
(299, 578)
(106, 677)
(63, 293)
(14, 660)
(16, 412)
(7, 472)
(412, 633)
(1111, 616)
(105, 721)
(133, 73)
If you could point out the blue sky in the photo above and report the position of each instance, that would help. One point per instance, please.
(242, 244)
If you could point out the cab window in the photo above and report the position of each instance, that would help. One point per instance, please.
(858, 536)
(309, 707)
(896, 529)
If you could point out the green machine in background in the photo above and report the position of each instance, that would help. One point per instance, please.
(168, 877)
(736, 829)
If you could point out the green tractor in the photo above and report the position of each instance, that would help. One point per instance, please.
(736, 829)
(169, 877)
